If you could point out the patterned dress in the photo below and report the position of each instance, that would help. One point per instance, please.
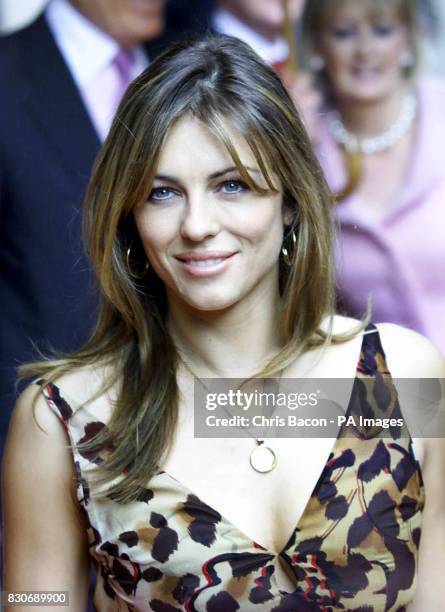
(354, 548)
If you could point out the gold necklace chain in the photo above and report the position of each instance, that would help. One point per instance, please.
(262, 458)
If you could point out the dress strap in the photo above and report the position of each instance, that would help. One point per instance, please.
(374, 395)
(372, 356)
(55, 401)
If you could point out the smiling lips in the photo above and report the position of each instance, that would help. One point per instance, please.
(365, 71)
(204, 264)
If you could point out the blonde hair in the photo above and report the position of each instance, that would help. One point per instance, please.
(217, 79)
(318, 11)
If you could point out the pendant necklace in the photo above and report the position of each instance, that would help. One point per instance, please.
(262, 458)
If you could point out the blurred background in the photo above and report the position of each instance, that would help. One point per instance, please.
(15, 14)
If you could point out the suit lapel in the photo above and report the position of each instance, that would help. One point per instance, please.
(54, 102)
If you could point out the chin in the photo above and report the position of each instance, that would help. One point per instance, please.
(147, 29)
(362, 94)
(374, 89)
(210, 303)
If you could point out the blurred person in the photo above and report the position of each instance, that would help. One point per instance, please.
(62, 77)
(433, 12)
(260, 24)
(210, 228)
(380, 145)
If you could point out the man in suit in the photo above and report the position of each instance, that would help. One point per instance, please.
(62, 78)
(259, 23)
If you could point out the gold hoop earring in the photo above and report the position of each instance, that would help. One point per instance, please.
(130, 271)
(288, 258)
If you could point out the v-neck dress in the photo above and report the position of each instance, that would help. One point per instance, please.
(354, 548)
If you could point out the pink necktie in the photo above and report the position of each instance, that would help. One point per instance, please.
(123, 63)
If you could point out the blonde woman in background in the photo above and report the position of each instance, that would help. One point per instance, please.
(380, 145)
(209, 226)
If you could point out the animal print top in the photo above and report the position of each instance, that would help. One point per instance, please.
(354, 548)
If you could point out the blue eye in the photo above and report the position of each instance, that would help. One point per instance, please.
(383, 30)
(160, 194)
(342, 33)
(233, 187)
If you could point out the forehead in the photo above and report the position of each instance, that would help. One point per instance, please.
(191, 149)
(356, 9)
(264, 6)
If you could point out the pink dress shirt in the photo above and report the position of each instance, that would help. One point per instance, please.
(90, 55)
(398, 260)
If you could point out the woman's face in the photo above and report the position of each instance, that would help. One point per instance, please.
(363, 50)
(211, 240)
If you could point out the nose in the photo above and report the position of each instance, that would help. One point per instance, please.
(199, 220)
(364, 41)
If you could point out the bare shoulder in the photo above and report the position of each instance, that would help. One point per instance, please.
(84, 383)
(36, 437)
(409, 354)
(36, 428)
(89, 388)
(339, 358)
(40, 504)
(32, 419)
(340, 325)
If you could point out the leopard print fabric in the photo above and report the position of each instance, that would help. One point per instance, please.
(355, 547)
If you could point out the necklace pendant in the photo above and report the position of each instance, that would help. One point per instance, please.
(262, 458)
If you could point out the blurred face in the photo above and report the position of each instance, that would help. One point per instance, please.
(363, 50)
(212, 241)
(129, 22)
(265, 16)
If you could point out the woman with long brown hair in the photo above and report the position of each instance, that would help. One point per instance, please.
(209, 225)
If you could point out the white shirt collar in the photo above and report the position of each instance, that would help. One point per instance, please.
(270, 51)
(87, 49)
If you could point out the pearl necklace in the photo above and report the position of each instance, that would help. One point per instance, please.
(376, 144)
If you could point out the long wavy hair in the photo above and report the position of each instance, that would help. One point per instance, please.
(216, 79)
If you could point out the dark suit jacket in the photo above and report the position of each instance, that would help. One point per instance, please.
(47, 148)
(190, 17)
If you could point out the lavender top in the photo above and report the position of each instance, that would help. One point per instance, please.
(399, 258)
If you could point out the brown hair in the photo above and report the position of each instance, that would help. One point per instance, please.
(318, 11)
(215, 79)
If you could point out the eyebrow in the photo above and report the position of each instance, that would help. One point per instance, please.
(214, 175)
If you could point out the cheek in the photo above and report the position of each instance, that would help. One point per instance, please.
(265, 225)
(156, 245)
(338, 66)
(155, 242)
(335, 55)
(114, 11)
(393, 50)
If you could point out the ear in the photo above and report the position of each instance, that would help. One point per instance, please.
(316, 63)
(407, 60)
(288, 214)
(408, 55)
